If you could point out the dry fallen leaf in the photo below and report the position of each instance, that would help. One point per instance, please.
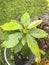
(37, 59)
(46, 62)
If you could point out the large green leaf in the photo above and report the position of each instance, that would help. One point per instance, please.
(13, 40)
(4, 36)
(18, 47)
(13, 25)
(25, 19)
(38, 33)
(23, 41)
(34, 24)
(26, 50)
(32, 44)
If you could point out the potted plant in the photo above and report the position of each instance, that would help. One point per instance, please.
(23, 32)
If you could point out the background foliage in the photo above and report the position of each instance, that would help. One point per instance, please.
(14, 8)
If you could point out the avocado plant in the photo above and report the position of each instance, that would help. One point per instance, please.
(26, 32)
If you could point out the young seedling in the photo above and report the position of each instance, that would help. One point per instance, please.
(26, 32)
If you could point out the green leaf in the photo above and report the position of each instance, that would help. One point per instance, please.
(23, 41)
(18, 47)
(12, 41)
(34, 24)
(13, 25)
(4, 36)
(32, 44)
(42, 52)
(26, 50)
(38, 33)
(25, 19)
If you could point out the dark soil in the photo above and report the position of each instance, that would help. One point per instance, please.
(43, 43)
